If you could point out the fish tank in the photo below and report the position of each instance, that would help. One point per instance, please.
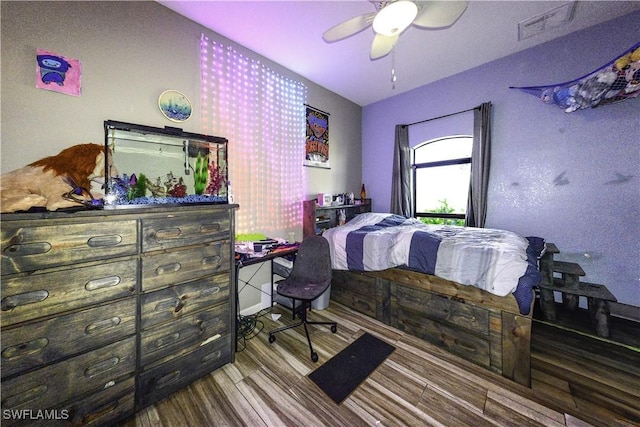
(163, 166)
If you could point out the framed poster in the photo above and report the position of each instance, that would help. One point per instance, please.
(317, 138)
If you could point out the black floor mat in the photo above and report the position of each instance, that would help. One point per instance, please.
(344, 372)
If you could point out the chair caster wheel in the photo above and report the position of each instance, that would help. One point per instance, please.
(272, 338)
(314, 357)
(334, 328)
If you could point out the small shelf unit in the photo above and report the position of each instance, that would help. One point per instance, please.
(319, 218)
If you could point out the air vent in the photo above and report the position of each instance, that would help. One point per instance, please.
(540, 23)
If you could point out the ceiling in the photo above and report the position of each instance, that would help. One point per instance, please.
(290, 33)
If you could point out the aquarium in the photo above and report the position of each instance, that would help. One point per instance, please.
(159, 166)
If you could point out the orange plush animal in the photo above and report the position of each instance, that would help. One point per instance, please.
(49, 182)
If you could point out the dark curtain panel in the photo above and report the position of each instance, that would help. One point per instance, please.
(401, 192)
(480, 162)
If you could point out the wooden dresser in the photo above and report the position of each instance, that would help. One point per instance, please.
(105, 312)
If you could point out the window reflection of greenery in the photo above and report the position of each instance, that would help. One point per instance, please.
(442, 153)
(443, 208)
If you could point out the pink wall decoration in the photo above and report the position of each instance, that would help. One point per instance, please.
(58, 73)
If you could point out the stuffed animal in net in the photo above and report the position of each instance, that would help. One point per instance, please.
(56, 182)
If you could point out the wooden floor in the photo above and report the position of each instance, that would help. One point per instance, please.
(418, 385)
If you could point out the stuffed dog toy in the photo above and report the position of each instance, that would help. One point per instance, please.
(55, 182)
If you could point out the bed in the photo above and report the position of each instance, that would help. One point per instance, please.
(467, 290)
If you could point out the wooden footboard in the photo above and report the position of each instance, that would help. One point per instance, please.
(478, 326)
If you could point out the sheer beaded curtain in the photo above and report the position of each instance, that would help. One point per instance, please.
(262, 115)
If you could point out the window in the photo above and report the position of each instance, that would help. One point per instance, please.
(441, 176)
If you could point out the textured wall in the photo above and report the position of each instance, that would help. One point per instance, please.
(131, 52)
(554, 175)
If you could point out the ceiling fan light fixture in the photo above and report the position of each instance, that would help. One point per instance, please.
(395, 18)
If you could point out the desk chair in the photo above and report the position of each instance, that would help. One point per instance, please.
(309, 279)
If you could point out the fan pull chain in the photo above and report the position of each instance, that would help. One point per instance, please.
(393, 70)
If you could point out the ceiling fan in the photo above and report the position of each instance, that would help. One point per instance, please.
(395, 16)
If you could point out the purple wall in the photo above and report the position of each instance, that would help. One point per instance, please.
(551, 171)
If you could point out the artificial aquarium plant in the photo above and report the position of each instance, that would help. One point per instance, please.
(216, 179)
(138, 187)
(201, 173)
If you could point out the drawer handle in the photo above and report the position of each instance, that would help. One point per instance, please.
(209, 291)
(102, 282)
(26, 249)
(101, 325)
(13, 301)
(24, 397)
(211, 356)
(101, 367)
(99, 413)
(102, 241)
(211, 260)
(168, 233)
(168, 379)
(168, 268)
(25, 349)
(211, 227)
(166, 340)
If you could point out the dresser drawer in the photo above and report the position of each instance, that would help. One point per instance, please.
(74, 377)
(440, 308)
(361, 292)
(161, 269)
(184, 299)
(33, 246)
(105, 407)
(169, 377)
(445, 335)
(29, 346)
(184, 335)
(184, 229)
(32, 296)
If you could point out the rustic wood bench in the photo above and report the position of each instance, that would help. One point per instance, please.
(598, 297)
(571, 273)
(569, 284)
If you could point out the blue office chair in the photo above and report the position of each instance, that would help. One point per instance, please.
(309, 279)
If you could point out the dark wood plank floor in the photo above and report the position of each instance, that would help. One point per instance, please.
(417, 385)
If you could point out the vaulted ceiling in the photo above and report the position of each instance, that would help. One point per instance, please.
(290, 34)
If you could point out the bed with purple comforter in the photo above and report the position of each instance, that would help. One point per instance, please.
(497, 261)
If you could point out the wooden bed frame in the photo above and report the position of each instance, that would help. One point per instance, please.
(476, 325)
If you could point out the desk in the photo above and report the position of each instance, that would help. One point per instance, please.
(245, 324)
(282, 251)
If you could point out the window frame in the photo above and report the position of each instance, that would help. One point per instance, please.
(423, 165)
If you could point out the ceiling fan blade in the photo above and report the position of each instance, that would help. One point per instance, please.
(382, 45)
(439, 14)
(348, 28)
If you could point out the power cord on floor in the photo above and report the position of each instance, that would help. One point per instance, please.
(249, 327)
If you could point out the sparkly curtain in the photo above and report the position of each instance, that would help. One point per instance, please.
(262, 114)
